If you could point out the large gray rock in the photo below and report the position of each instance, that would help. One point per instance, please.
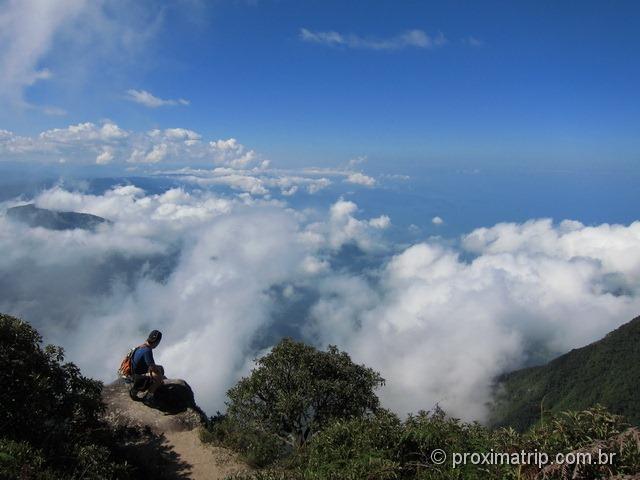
(176, 410)
(175, 396)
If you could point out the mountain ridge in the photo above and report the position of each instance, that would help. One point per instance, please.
(603, 372)
(53, 219)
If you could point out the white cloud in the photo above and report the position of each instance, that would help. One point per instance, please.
(437, 220)
(200, 268)
(342, 228)
(85, 142)
(236, 180)
(149, 100)
(318, 185)
(211, 302)
(260, 180)
(42, 40)
(27, 30)
(381, 222)
(83, 133)
(230, 152)
(181, 134)
(440, 329)
(359, 178)
(104, 157)
(356, 161)
(410, 38)
(157, 154)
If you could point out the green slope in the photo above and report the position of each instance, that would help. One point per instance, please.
(605, 372)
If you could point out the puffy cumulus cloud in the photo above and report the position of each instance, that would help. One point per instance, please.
(210, 308)
(232, 164)
(410, 38)
(440, 329)
(343, 228)
(437, 220)
(13, 144)
(360, 179)
(215, 273)
(82, 134)
(198, 266)
(188, 136)
(230, 152)
(104, 157)
(108, 143)
(149, 100)
(381, 222)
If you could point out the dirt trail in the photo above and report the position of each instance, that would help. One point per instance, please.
(172, 448)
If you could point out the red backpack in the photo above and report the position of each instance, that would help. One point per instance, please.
(126, 366)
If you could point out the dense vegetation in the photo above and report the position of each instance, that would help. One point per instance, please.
(605, 372)
(302, 414)
(294, 392)
(381, 447)
(50, 425)
(369, 442)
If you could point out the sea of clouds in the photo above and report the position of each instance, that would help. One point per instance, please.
(440, 320)
(224, 275)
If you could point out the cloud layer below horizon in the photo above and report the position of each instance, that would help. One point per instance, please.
(215, 273)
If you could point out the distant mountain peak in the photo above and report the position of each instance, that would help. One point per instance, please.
(33, 216)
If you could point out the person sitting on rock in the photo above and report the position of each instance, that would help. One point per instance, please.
(147, 376)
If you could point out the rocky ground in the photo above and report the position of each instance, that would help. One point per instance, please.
(168, 443)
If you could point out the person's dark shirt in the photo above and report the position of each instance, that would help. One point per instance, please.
(142, 360)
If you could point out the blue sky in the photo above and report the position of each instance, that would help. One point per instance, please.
(498, 83)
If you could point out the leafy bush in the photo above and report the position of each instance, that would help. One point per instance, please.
(297, 390)
(587, 431)
(21, 460)
(324, 407)
(358, 448)
(258, 448)
(428, 431)
(50, 415)
(381, 447)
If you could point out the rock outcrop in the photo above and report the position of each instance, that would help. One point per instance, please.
(177, 410)
(165, 440)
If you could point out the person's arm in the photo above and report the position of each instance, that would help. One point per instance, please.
(153, 368)
(151, 364)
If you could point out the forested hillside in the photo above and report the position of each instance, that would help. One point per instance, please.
(605, 372)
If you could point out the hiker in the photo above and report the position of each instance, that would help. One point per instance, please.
(147, 376)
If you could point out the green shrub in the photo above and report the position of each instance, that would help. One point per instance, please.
(587, 431)
(354, 449)
(428, 431)
(270, 474)
(296, 390)
(257, 448)
(21, 460)
(50, 410)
